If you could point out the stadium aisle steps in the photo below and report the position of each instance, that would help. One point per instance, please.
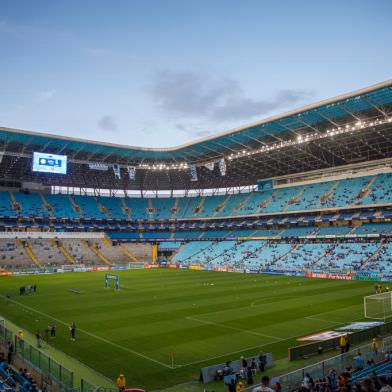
(174, 210)
(125, 208)
(46, 205)
(14, 204)
(127, 252)
(28, 249)
(294, 199)
(327, 195)
(222, 206)
(199, 207)
(64, 251)
(374, 255)
(365, 191)
(74, 205)
(94, 249)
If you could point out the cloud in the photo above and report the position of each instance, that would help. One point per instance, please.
(197, 95)
(107, 123)
(242, 107)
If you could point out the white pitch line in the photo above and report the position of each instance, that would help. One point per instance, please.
(96, 336)
(263, 345)
(234, 328)
(318, 319)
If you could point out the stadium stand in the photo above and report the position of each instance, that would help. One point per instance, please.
(299, 194)
(30, 205)
(13, 255)
(47, 252)
(81, 252)
(138, 251)
(368, 190)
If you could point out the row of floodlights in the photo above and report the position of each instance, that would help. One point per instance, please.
(359, 125)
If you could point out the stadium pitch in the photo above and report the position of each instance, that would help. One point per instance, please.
(164, 325)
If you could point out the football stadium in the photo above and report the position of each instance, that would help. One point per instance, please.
(254, 240)
(257, 258)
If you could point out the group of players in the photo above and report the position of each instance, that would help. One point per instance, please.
(30, 289)
(52, 329)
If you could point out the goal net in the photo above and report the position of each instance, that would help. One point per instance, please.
(378, 306)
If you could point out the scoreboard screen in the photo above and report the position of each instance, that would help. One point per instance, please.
(49, 163)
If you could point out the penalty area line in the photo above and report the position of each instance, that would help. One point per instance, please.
(95, 336)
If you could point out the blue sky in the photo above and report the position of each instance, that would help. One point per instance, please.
(161, 73)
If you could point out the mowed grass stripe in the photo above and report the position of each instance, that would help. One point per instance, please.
(150, 315)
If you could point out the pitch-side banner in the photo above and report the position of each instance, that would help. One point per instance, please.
(322, 336)
(360, 325)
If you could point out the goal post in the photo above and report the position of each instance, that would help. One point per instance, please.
(111, 277)
(378, 306)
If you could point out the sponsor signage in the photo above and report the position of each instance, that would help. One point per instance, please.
(322, 336)
(360, 325)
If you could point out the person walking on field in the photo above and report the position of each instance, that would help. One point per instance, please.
(72, 330)
(121, 382)
(39, 339)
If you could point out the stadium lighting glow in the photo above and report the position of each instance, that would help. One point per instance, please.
(359, 125)
(300, 139)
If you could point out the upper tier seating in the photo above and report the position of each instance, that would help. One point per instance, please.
(89, 207)
(61, 206)
(114, 207)
(139, 208)
(380, 191)
(30, 205)
(330, 194)
(6, 205)
(346, 192)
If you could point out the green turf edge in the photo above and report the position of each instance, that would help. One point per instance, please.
(79, 369)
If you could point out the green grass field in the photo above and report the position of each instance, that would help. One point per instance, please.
(202, 317)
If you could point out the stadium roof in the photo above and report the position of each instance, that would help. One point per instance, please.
(259, 150)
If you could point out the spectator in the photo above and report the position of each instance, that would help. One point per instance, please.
(342, 344)
(375, 345)
(347, 348)
(359, 362)
(385, 387)
(10, 352)
(308, 382)
(121, 382)
(20, 338)
(262, 361)
(332, 379)
(232, 386)
(368, 385)
(249, 376)
(264, 387)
